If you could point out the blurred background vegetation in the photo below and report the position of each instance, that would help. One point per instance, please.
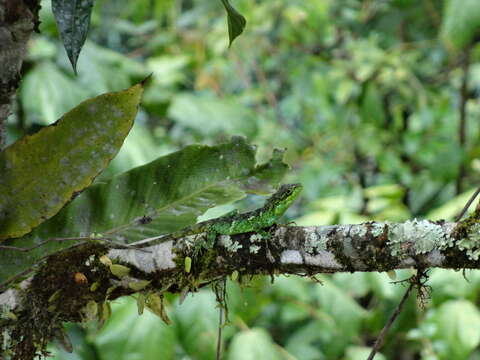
(365, 95)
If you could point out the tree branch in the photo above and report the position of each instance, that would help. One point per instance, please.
(71, 281)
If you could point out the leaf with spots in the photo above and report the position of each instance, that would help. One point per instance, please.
(160, 197)
(73, 21)
(40, 173)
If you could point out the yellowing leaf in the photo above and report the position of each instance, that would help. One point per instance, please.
(119, 270)
(90, 311)
(155, 304)
(42, 172)
(105, 260)
(138, 285)
(140, 303)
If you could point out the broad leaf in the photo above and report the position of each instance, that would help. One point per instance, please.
(105, 70)
(73, 21)
(47, 93)
(253, 344)
(461, 23)
(40, 173)
(236, 22)
(345, 312)
(210, 115)
(196, 325)
(157, 198)
(456, 325)
(129, 336)
(360, 353)
(306, 342)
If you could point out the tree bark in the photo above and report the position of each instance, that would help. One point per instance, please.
(18, 18)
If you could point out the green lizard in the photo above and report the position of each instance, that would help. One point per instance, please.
(234, 223)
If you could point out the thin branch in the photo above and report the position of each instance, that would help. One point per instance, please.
(381, 337)
(462, 124)
(467, 205)
(221, 298)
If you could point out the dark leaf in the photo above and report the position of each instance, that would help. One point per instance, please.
(236, 22)
(73, 21)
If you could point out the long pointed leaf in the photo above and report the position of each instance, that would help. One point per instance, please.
(40, 173)
(236, 21)
(73, 21)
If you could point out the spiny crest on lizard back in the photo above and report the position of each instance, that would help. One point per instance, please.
(283, 198)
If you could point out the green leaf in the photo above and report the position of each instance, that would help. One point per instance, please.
(157, 198)
(305, 343)
(269, 174)
(105, 70)
(291, 288)
(452, 284)
(139, 285)
(371, 108)
(341, 319)
(139, 148)
(83, 349)
(355, 284)
(119, 270)
(169, 69)
(196, 322)
(456, 323)
(73, 21)
(248, 301)
(360, 353)
(129, 336)
(236, 22)
(40, 173)
(343, 309)
(210, 115)
(450, 209)
(461, 23)
(253, 344)
(47, 93)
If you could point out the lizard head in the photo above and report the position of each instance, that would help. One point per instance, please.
(283, 198)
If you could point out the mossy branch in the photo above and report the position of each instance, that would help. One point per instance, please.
(77, 284)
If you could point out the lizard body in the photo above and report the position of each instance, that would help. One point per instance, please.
(234, 223)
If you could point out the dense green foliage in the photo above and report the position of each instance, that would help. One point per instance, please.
(365, 95)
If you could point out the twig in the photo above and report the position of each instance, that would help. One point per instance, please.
(467, 205)
(398, 310)
(462, 124)
(221, 296)
(219, 334)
